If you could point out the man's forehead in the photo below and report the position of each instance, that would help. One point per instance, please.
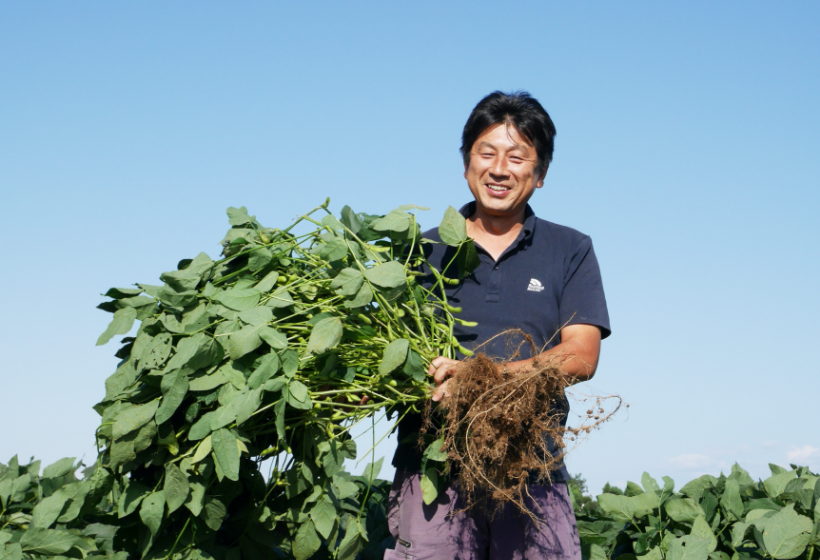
(503, 135)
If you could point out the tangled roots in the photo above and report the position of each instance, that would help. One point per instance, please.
(497, 425)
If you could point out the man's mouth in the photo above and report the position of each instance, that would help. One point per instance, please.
(497, 188)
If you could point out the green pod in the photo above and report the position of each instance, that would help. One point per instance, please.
(450, 281)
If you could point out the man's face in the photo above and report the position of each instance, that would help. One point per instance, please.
(501, 173)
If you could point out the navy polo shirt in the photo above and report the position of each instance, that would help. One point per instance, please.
(546, 279)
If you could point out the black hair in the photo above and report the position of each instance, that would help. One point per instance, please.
(519, 109)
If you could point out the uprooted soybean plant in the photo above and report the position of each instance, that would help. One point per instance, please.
(259, 362)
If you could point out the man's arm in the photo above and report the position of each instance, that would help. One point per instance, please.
(577, 355)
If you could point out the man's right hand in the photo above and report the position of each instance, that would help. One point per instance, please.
(441, 369)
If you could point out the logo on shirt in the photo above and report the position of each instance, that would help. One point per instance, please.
(535, 286)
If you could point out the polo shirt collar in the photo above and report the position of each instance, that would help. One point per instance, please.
(524, 235)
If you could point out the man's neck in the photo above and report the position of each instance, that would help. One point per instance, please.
(494, 233)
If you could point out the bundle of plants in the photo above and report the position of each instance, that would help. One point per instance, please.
(499, 427)
(263, 361)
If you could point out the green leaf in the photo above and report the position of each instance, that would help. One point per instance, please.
(121, 323)
(239, 299)
(429, 485)
(453, 228)
(60, 468)
(323, 514)
(19, 487)
(239, 216)
(353, 542)
(213, 513)
(731, 501)
(347, 282)
(298, 391)
(467, 259)
(275, 385)
(195, 352)
(157, 352)
(434, 451)
(48, 541)
(741, 476)
(123, 378)
(152, 510)
(372, 470)
(130, 499)
(395, 354)
(175, 487)
(350, 220)
(649, 483)
(244, 341)
(134, 418)
(396, 221)
(268, 367)
(176, 301)
(413, 207)
(387, 275)
(363, 297)
(196, 498)
(202, 427)
(46, 512)
(695, 488)
(688, 547)
(280, 299)
(331, 457)
(259, 258)
(307, 542)
(620, 508)
(122, 293)
(208, 382)
(683, 510)
(257, 316)
(414, 367)
(592, 552)
(342, 487)
(290, 362)
(333, 250)
(174, 388)
(226, 452)
(787, 533)
(701, 529)
(331, 222)
(274, 338)
(776, 484)
(325, 335)
(267, 283)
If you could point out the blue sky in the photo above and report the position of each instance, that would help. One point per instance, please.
(686, 147)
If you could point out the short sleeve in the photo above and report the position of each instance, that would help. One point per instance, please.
(583, 300)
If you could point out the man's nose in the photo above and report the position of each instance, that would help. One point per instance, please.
(499, 167)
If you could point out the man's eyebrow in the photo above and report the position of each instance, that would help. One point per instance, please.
(519, 147)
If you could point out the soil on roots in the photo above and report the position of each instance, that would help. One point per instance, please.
(497, 425)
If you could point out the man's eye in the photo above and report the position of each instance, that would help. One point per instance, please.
(516, 159)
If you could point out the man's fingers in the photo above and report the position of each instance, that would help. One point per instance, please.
(437, 363)
(441, 368)
(441, 392)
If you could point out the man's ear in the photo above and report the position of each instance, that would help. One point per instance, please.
(540, 182)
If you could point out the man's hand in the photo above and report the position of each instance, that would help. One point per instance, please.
(441, 368)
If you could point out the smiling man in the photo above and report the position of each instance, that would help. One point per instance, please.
(535, 276)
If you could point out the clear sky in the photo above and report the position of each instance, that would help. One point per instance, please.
(687, 148)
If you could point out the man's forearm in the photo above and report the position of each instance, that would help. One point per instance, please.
(576, 355)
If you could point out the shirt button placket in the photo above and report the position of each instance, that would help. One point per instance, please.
(494, 288)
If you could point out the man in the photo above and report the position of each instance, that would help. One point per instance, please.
(533, 275)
